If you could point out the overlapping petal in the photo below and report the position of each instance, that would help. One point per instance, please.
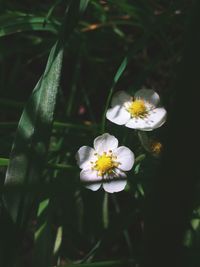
(126, 158)
(84, 156)
(119, 98)
(116, 184)
(148, 95)
(105, 142)
(91, 179)
(157, 117)
(118, 115)
(137, 124)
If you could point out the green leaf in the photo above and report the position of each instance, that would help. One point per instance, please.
(83, 5)
(43, 236)
(11, 24)
(4, 162)
(120, 70)
(58, 240)
(195, 223)
(32, 138)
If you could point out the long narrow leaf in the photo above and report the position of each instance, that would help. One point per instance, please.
(11, 25)
(43, 236)
(31, 143)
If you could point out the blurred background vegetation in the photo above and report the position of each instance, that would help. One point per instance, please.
(141, 44)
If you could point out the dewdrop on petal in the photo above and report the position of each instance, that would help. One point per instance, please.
(139, 112)
(105, 164)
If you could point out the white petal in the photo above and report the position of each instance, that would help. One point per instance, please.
(105, 142)
(90, 176)
(118, 115)
(136, 123)
(148, 95)
(115, 185)
(155, 119)
(125, 157)
(84, 155)
(119, 98)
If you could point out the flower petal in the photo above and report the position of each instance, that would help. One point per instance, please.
(118, 115)
(84, 155)
(125, 157)
(90, 176)
(155, 119)
(105, 142)
(137, 123)
(148, 95)
(119, 98)
(115, 184)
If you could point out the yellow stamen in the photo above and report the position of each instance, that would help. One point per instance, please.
(137, 108)
(105, 164)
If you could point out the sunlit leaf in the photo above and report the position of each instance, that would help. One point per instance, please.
(32, 138)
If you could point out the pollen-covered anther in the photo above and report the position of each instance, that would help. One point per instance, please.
(105, 163)
(137, 108)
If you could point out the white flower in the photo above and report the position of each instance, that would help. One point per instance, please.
(140, 112)
(105, 164)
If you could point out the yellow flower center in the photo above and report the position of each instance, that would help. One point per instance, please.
(137, 108)
(105, 163)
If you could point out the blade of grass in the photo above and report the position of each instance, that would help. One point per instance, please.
(31, 143)
(11, 25)
(4, 162)
(42, 253)
(43, 236)
(58, 240)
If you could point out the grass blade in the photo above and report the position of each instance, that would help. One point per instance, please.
(11, 25)
(43, 236)
(31, 143)
(4, 162)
